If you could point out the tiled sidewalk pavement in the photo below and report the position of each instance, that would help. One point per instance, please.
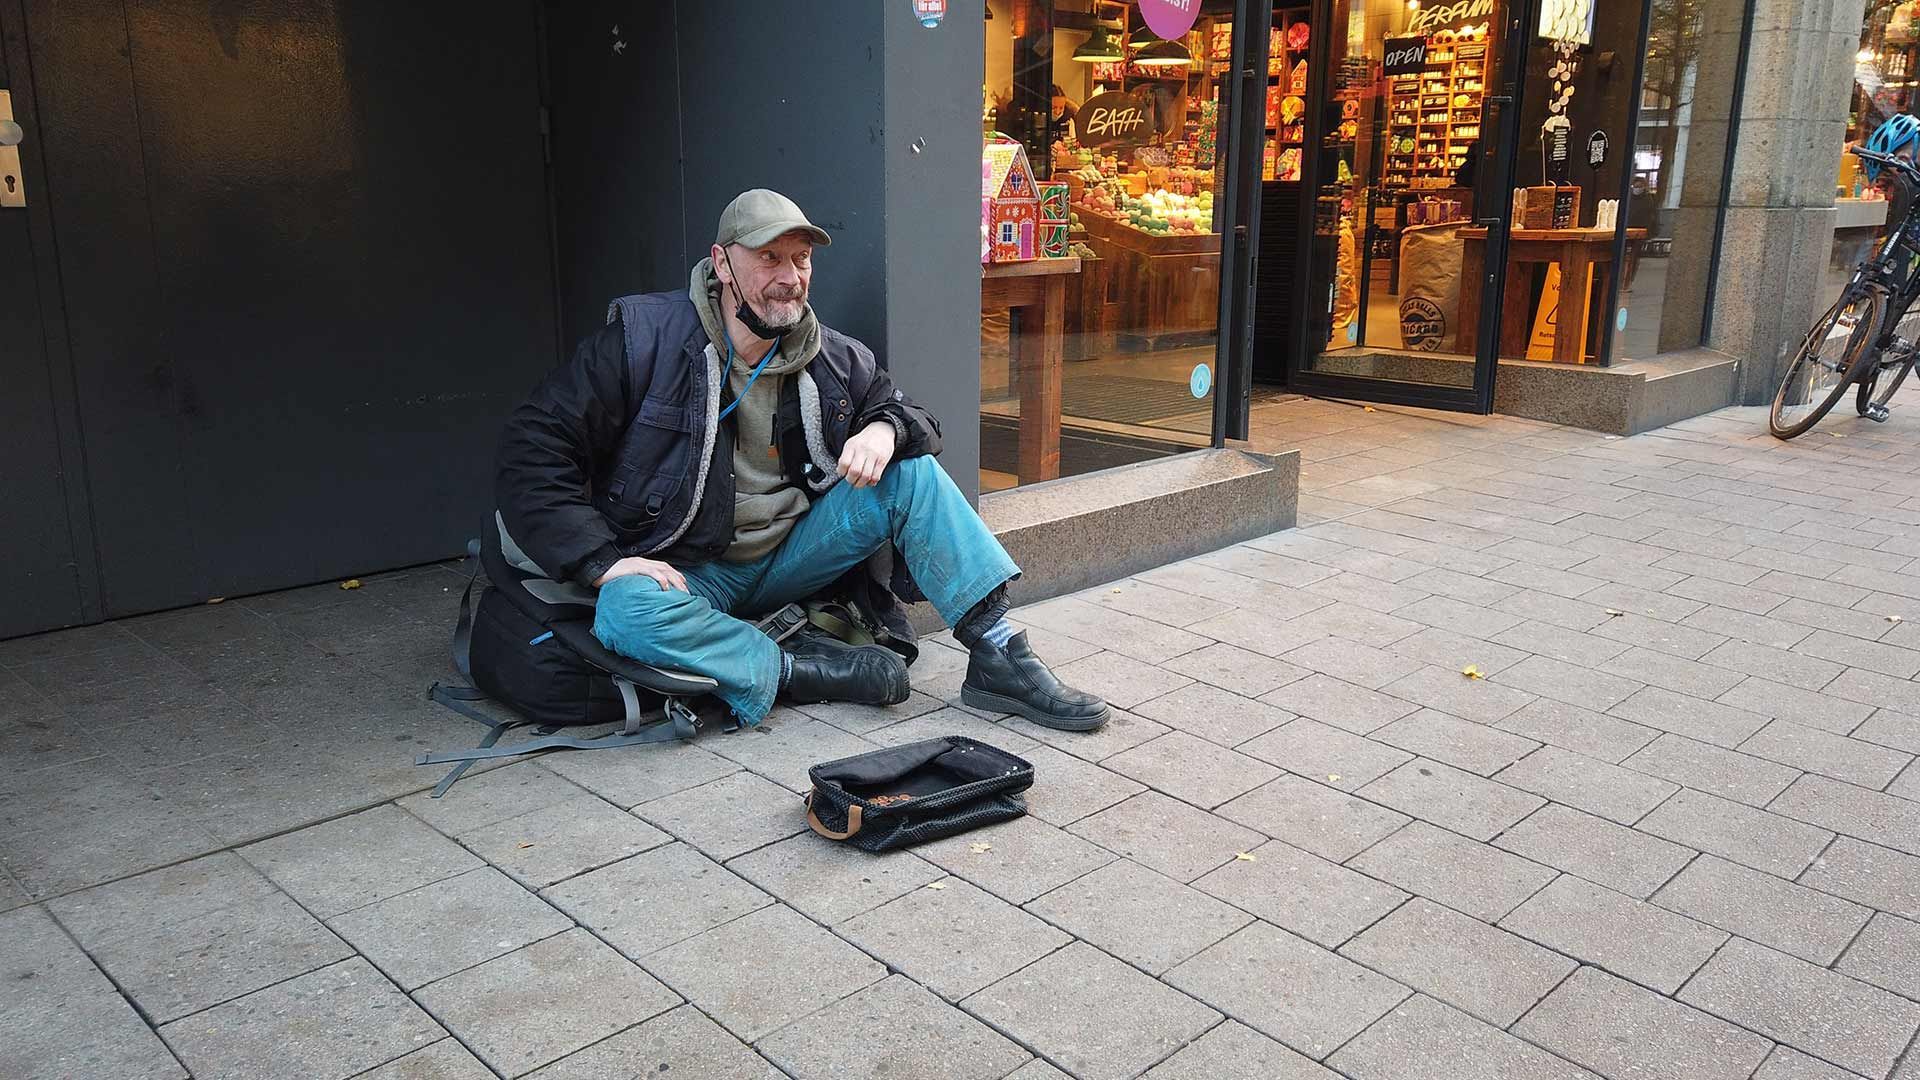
(1671, 833)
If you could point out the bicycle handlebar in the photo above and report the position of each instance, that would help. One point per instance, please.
(1902, 164)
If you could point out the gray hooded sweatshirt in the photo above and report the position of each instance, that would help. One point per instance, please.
(765, 502)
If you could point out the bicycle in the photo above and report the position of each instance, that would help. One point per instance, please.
(1856, 343)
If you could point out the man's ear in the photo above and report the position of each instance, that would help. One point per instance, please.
(719, 257)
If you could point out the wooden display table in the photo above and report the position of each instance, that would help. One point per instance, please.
(1165, 283)
(1586, 260)
(1039, 286)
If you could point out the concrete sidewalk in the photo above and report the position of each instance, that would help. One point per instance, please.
(1665, 828)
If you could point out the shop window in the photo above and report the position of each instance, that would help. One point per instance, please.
(1679, 162)
(1101, 266)
(1883, 85)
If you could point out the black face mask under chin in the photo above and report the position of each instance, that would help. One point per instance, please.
(750, 318)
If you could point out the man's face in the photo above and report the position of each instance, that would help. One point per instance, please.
(772, 279)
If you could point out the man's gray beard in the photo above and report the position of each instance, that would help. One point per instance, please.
(784, 315)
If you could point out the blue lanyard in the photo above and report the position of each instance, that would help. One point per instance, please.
(757, 369)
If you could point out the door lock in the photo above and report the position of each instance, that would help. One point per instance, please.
(13, 190)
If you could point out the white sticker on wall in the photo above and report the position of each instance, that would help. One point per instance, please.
(1620, 320)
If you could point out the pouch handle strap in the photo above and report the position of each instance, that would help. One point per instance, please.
(853, 821)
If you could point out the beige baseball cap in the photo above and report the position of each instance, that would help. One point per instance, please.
(759, 217)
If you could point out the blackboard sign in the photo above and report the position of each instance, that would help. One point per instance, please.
(1111, 118)
(1597, 149)
(1405, 56)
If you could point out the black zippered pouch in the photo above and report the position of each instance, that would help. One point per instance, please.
(906, 795)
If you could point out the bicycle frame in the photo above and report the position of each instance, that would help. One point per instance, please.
(1894, 267)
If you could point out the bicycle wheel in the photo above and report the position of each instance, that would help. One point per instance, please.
(1827, 362)
(1886, 381)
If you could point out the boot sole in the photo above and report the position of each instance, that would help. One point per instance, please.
(991, 702)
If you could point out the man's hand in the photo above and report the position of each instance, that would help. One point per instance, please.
(866, 455)
(667, 576)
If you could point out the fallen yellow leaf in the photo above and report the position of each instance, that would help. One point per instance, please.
(1333, 777)
(216, 600)
(1472, 671)
(526, 845)
(350, 583)
(1615, 612)
(936, 885)
(1893, 618)
(1244, 857)
(1836, 434)
(980, 848)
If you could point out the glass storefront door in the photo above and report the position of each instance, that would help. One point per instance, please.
(1408, 199)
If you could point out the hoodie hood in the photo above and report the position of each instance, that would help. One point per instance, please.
(797, 347)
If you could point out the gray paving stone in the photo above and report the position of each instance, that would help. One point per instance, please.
(1423, 1038)
(1455, 694)
(860, 719)
(640, 774)
(657, 898)
(1571, 683)
(447, 926)
(682, 1042)
(1273, 566)
(1234, 1051)
(1551, 602)
(1173, 606)
(1268, 631)
(492, 797)
(1168, 835)
(1285, 987)
(1238, 670)
(1111, 1023)
(62, 1018)
(1143, 917)
(1764, 841)
(1461, 961)
(1851, 760)
(934, 935)
(1142, 639)
(1619, 794)
(1344, 705)
(1582, 731)
(902, 1031)
(1122, 731)
(1674, 673)
(1329, 823)
(183, 938)
(1779, 665)
(832, 882)
(444, 1060)
(1888, 728)
(1470, 805)
(557, 842)
(1618, 1029)
(742, 973)
(1805, 922)
(1215, 715)
(1657, 605)
(1296, 890)
(1690, 716)
(1873, 688)
(1352, 662)
(1721, 594)
(1192, 769)
(1598, 850)
(1476, 748)
(1854, 652)
(1629, 937)
(1887, 820)
(538, 1004)
(1560, 643)
(1449, 649)
(1705, 767)
(1123, 681)
(1307, 747)
(1875, 876)
(956, 721)
(1747, 626)
(1027, 857)
(1037, 1070)
(730, 816)
(1786, 1063)
(339, 865)
(1355, 617)
(1886, 954)
(327, 1024)
(1067, 789)
(1463, 874)
(1825, 1014)
(1473, 590)
(788, 743)
(1458, 616)
(1660, 635)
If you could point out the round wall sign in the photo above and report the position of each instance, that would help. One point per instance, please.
(1170, 19)
(1201, 380)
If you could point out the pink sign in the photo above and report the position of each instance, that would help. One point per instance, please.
(1170, 19)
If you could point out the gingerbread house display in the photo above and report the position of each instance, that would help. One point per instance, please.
(1010, 203)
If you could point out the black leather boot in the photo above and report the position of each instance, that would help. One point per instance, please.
(1011, 679)
(829, 670)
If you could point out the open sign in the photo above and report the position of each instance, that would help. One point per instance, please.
(1405, 56)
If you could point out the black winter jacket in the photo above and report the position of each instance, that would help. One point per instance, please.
(618, 452)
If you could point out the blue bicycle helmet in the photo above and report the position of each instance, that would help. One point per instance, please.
(1898, 132)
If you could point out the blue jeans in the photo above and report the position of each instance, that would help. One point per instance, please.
(952, 555)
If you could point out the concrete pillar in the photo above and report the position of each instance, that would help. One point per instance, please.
(1778, 228)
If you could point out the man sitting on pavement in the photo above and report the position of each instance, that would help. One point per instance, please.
(718, 452)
